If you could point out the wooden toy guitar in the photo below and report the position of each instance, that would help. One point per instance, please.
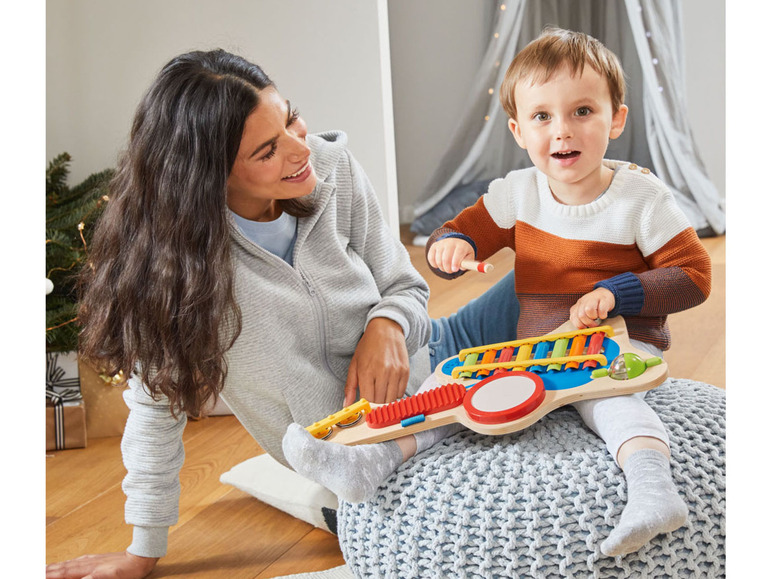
(503, 388)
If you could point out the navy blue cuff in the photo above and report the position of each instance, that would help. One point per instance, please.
(459, 236)
(628, 294)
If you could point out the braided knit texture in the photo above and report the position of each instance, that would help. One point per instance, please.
(538, 503)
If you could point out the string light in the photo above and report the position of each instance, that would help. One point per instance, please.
(81, 226)
(117, 379)
(75, 319)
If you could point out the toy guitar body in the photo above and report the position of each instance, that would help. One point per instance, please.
(503, 388)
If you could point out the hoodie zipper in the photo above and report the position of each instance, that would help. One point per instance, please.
(321, 319)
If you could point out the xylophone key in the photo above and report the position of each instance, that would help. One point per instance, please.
(558, 351)
(541, 352)
(524, 352)
(504, 356)
(470, 360)
(577, 349)
(488, 357)
(595, 347)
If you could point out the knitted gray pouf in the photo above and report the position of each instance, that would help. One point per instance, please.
(538, 503)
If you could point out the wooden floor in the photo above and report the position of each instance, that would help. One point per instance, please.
(222, 532)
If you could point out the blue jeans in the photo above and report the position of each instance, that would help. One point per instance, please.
(488, 319)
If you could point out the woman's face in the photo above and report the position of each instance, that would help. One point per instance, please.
(272, 162)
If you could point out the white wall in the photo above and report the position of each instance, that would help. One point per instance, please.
(705, 47)
(325, 56)
(436, 46)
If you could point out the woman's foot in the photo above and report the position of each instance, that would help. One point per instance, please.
(353, 473)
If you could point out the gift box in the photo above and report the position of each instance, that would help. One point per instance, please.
(65, 409)
(106, 410)
(65, 423)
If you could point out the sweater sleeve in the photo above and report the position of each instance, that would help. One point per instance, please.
(404, 293)
(476, 226)
(679, 268)
(153, 454)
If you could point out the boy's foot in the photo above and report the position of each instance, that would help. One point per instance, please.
(653, 504)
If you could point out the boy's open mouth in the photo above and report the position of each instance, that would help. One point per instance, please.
(565, 154)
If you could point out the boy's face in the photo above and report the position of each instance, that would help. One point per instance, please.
(565, 125)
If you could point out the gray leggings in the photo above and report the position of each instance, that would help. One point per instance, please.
(619, 418)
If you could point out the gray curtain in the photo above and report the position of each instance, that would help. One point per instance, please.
(647, 37)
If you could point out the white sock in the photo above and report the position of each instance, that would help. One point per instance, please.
(354, 473)
(653, 505)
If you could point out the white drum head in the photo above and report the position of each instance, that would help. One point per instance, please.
(504, 397)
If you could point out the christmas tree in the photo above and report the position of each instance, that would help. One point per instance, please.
(70, 216)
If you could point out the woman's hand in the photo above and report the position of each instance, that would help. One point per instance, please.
(591, 307)
(107, 565)
(447, 254)
(380, 366)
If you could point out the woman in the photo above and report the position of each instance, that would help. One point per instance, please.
(244, 256)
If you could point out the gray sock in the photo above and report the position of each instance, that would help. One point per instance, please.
(354, 473)
(653, 505)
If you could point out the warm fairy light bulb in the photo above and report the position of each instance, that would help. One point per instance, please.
(490, 91)
(503, 6)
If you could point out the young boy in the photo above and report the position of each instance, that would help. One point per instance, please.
(592, 238)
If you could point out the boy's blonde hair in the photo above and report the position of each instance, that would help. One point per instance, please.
(556, 47)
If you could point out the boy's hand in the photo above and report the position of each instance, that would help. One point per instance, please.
(447, 254)
(592, 307)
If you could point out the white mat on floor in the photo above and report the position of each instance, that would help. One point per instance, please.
(275, 484)
(342, 572)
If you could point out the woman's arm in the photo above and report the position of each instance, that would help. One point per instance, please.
(404, 293)
(398, 324)
(153, 454)
(123, 565)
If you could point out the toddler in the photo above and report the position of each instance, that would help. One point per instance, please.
(593, 238)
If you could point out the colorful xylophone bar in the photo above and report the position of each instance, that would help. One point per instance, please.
(547, 354)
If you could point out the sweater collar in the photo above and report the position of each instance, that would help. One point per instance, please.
(615, 188)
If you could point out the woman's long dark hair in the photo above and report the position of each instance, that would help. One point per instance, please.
(157, 294)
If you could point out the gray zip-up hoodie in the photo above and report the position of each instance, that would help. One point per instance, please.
(300, 326)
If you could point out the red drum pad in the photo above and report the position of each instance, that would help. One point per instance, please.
(504, 397)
